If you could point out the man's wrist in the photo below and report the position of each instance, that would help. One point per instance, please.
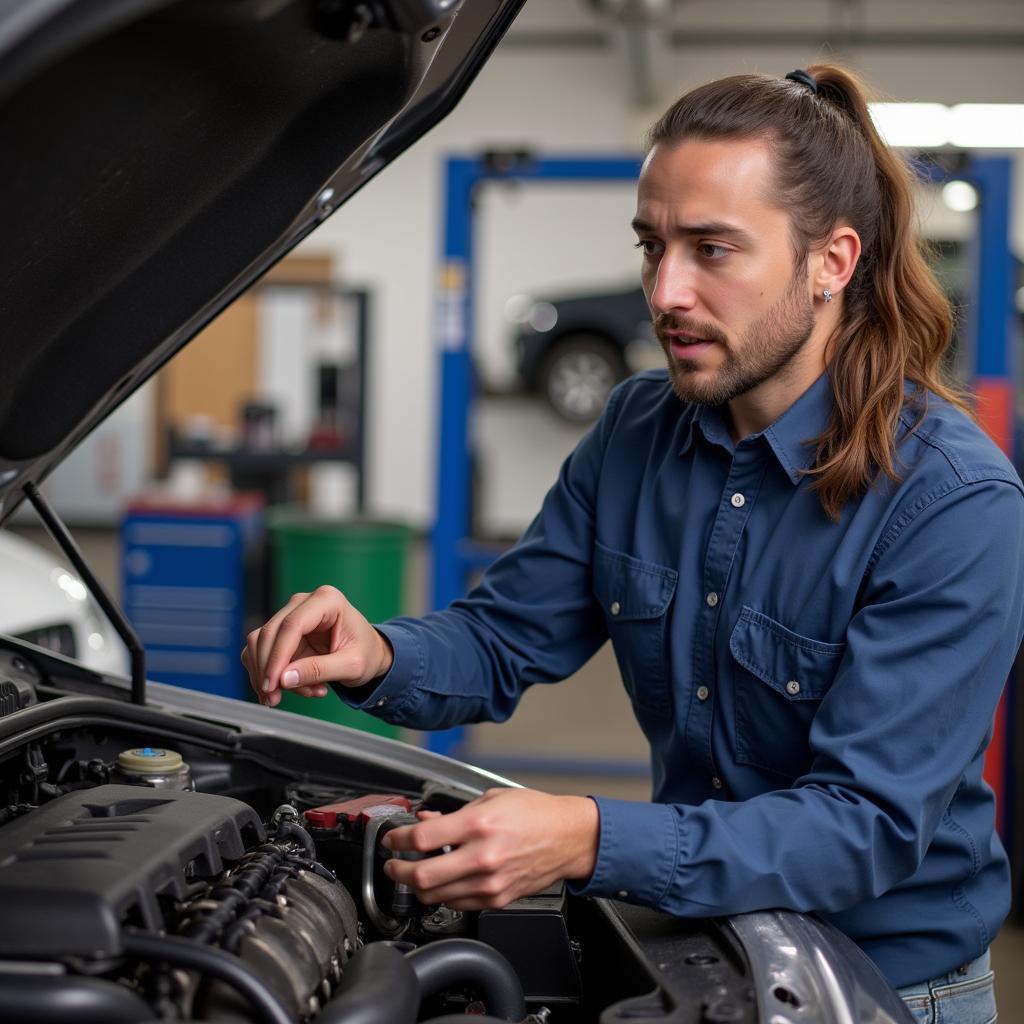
(385, 657)
(583, 823)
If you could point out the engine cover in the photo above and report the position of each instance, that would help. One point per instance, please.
(76, 870)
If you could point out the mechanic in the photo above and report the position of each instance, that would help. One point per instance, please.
(805, 552)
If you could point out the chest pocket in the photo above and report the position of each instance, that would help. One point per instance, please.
(780, 678)
(635, 596)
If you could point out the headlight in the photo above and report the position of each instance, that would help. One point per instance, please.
(543, 317)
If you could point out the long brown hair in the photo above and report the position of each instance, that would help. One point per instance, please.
(896, 322)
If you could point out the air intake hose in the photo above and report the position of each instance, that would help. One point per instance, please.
(49, 999)
(379, 987)
(451, 962)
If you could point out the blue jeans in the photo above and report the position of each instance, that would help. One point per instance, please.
(965, 995)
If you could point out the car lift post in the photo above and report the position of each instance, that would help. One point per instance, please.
(453, 554)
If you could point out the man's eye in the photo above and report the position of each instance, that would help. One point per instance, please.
(711, 251)
(648, 247)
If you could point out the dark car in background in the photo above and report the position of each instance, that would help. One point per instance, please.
(574, 349)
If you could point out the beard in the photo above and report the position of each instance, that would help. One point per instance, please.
(765, 349)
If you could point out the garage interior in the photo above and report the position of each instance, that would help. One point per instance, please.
(320, 390)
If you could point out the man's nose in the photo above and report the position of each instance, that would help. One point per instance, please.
(674, 288)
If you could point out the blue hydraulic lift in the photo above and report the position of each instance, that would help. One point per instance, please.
(990, 336)
(454, 556)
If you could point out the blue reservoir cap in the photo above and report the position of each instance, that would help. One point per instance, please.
(149, 759)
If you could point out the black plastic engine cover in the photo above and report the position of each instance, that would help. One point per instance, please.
(74, 871)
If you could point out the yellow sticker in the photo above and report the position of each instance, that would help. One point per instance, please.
(453, 277)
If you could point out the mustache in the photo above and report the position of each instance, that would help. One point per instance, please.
(667, 322)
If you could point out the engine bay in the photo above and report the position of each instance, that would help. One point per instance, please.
(154, 866)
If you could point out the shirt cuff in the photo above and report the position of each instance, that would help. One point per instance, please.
(637, 852)
(388, 696)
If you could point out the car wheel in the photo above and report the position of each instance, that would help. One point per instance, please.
(578, 374)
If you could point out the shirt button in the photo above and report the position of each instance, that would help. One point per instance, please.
(738, 501)
(792, 687)
(716, 782)
(381, 702)
(622, 894)
(616, 608)
(712, 599)
(703, 693)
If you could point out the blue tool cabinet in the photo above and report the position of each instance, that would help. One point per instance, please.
(185, 577)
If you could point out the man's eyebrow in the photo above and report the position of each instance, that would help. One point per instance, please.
(720, 228)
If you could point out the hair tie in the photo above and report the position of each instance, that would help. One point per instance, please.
(804, 79)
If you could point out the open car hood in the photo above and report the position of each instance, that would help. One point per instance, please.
(160, 155)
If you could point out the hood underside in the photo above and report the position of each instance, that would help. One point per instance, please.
(158, 156)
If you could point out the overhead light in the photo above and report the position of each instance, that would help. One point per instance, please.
(964, 125)
(959, 196)
(987, 125)
(912, 125)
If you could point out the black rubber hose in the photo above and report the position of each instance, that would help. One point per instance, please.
(295, 831)
(451, 962)
(379, 987)
(212, 962)
(50, 999)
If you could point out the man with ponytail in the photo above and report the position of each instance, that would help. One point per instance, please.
(806, 554)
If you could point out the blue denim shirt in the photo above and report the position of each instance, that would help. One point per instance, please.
(817, 695)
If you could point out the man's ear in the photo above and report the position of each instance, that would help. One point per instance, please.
(836, 261)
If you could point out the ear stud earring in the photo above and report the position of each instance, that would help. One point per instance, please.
(827, 295)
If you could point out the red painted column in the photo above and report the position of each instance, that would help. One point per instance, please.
(994, 406)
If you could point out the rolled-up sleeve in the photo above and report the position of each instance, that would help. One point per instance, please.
(910, 711)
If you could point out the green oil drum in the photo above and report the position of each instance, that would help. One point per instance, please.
(365, 560)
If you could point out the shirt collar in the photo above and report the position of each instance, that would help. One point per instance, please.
(791, 437)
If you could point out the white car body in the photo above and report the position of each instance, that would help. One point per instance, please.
(43, 601)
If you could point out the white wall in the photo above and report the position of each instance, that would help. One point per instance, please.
(566, 100)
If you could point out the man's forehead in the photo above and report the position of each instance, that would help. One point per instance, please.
(712, 181)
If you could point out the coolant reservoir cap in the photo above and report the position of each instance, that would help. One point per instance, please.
(154, 760)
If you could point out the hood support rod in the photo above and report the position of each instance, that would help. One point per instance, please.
(62, 536)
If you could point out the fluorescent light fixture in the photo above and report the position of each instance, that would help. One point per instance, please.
(912, 125)
(959, 196)
(965, 125)
(987, 125)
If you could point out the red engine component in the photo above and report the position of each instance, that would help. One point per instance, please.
(360, 809)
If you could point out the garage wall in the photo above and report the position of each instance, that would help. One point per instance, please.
(557, 91)
(387, 236)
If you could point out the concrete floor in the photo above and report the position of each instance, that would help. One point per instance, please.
(586, 719)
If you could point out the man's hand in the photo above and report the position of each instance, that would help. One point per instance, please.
(314, 638)
(507, 844)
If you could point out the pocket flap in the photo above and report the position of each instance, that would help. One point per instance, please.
(629, 588)
(796, 666)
